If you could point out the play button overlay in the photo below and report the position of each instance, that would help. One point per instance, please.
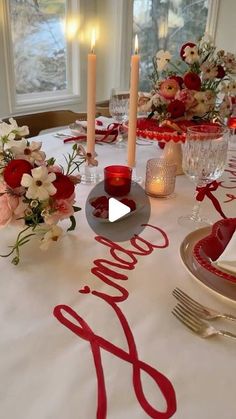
(117, 218)
(116, 210)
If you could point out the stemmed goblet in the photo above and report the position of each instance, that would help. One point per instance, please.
(118, 108)
(204, 159)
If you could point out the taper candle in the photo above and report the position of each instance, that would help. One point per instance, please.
(91, 97)
(133, 104)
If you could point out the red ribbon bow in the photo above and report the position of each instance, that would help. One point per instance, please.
(207, 190)
(112, 130)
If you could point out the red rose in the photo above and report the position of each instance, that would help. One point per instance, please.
(65, 188)
(192, 81)
(178, 79)
(188, 44)
(14, 171)
(220, 72)
(176, 108)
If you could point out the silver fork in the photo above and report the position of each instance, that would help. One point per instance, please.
(198, 326)
(205, 313)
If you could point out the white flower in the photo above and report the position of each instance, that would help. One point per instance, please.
(9, 131)
(31, 152)
(209, 70)
(230, 62)
(232, 87)
(225, 107)
(203, 106)
(162, 59)
(225, 88)
(144, 103)
(207, 39)
(6, 131)
(157, 100)
(191, 54)
(20, 131)
(51, 237)
(39, 184)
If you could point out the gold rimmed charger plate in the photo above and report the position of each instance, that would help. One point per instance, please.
(207, 278)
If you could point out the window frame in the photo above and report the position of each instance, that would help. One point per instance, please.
(36, 101)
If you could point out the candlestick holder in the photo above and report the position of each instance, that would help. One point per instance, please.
(160, 178)
(135, 177)
(90, 175)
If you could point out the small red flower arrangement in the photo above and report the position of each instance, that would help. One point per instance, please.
(35, 192)
(198, 86)
(101, 204)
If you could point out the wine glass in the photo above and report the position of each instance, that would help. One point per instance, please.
(118, 108)
(204, 159)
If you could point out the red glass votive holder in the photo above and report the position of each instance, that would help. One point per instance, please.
(117, 180)
(232, 122)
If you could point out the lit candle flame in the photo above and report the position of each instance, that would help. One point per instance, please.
(136, 44)
(93, 40)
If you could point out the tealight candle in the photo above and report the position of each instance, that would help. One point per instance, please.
(117, 180)
(160, 178)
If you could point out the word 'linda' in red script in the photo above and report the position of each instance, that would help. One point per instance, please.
(104, 270)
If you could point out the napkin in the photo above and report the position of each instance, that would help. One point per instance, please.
(227, 259)
(106, 129)
(102, 122)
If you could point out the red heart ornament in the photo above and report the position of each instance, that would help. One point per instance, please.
(85, 290)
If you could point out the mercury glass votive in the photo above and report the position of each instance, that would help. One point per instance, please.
(160, 178)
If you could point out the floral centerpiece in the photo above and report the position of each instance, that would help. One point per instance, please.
(35, 193)
(199, 86)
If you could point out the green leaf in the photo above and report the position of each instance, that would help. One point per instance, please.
(73, 223)
(51, 161)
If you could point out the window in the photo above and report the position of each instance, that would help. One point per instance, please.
(166, 24)
(40, 52)
(39, 45)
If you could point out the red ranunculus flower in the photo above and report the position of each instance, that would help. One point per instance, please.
(14, 171)
(65, 188)
(179, 80)
(188, 44)
(192, 81)
(176, 108)
(220, 72)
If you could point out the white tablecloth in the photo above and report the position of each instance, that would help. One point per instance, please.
(48, 372)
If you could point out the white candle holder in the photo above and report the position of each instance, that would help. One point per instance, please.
(90, 175)
(160, 178)
(135, 177)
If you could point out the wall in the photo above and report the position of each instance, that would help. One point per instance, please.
(226, 29)
(114, 36)
(4, 103)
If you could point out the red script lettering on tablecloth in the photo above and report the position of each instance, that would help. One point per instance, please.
(231, 169)
(104, 269)
(231, 198)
